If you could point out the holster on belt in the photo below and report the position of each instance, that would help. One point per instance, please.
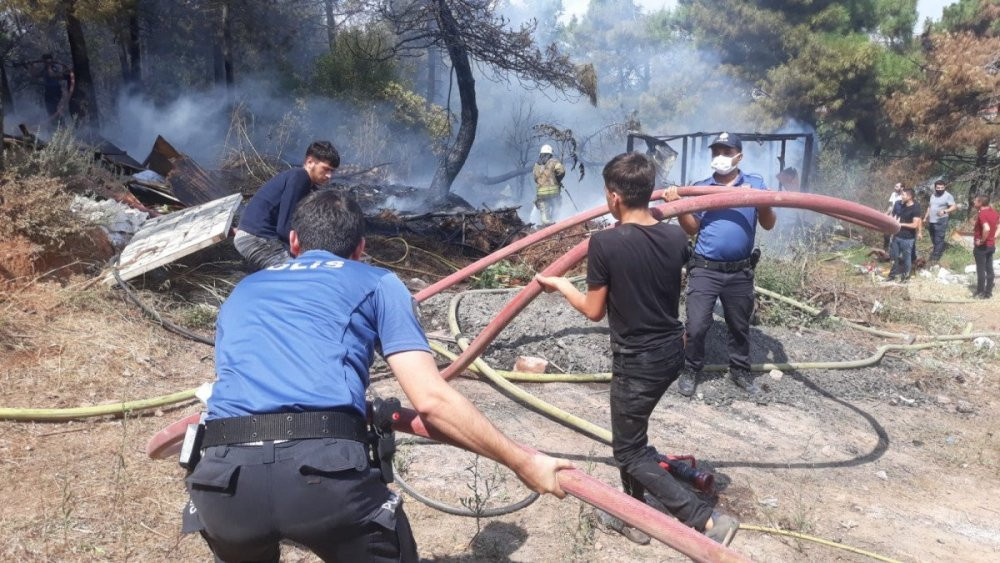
(382, 437)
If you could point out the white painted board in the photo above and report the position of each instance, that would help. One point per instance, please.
(167, 238)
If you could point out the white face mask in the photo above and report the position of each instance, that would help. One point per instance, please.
(723, 164)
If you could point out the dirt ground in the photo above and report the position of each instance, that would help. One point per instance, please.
(902, 458)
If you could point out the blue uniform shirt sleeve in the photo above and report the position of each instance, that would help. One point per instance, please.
(396, 318)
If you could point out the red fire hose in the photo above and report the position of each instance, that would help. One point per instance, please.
(584, 216)
(666, 529)
(574, 482)
(733, 198)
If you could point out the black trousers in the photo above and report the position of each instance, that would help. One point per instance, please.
(735, 290)
(984, 269)
(638, 382)
(938, 232)
(319, 493)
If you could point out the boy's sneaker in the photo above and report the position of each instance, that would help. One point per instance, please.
(687, 382)
(610, 522)
(724, 528)
(744, 380)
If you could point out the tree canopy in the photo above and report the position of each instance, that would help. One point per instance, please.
(856, 72)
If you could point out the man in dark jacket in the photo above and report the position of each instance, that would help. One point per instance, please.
(262, 236)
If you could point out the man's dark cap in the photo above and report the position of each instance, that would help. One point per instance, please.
(731, 140)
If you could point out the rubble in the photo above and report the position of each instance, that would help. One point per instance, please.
(394, 210)
(945, 276)
(186, 180)
(118, 220)
(173, 236)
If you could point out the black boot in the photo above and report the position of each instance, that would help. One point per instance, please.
(744, 380)
(687, 382)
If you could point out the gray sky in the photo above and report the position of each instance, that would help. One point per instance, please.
(926, 8)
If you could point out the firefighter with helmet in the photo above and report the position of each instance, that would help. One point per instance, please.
(548, 172)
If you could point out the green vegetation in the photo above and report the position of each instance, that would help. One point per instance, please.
(61, 157)
(956, 258)
(887, 105)
(197, 316)
(354, 69)
(503, 274)
(37, 208)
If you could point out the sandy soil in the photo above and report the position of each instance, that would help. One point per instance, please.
(878, 458)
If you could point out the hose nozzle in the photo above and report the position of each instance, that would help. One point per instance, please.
(701, 480)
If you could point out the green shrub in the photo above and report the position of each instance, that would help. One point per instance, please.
(198, 316)
(503, 274)
(62, 157)
(353, 70)
(38, 209)
(786, 277)
(956, 258)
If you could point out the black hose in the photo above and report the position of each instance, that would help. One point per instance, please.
(456, 510)
(178, 330)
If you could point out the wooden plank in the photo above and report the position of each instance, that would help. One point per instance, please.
(167, 238)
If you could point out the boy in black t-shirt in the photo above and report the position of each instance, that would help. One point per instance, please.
(634, 274)
(901, 249)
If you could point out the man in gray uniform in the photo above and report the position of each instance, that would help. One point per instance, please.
(941, 205)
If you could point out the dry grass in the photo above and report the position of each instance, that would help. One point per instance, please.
(37, 208)
(84, 491)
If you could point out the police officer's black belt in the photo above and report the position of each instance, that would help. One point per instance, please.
(284, 426)
(699, 262)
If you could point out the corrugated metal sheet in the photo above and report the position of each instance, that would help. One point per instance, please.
(191, 184)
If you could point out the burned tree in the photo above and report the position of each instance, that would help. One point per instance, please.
(129, 51)
(951, 112)
(83, 103)
(471, 30)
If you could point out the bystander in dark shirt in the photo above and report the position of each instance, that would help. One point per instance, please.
(641, 266)
(269, 213)
(907, 214)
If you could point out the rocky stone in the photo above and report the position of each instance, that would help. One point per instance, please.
(984, 343)
(530, 364)
(416, 284)
(769, 502)
(882, 475)
(965, 407)
(776, 374)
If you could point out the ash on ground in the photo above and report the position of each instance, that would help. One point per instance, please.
(551, 329)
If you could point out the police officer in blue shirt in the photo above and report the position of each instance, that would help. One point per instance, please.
(285, 444)
(722, 268)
